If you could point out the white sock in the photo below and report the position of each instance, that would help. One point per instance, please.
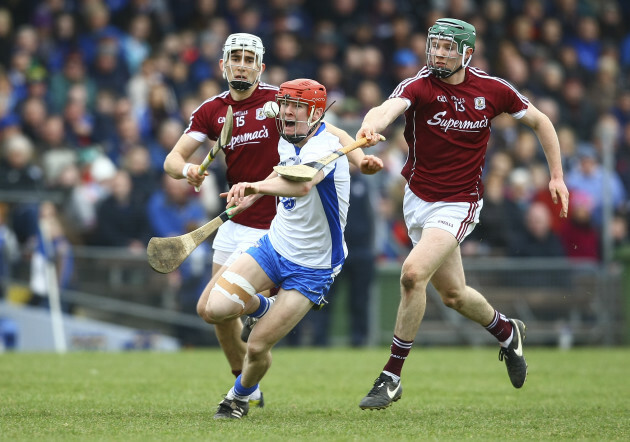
(232, 395)
(508, 341)
(394, 377)
(255, 396)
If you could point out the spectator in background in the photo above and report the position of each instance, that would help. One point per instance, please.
(172, 210)
(18, 169)
(108, 69)
(74, 73)
(91, 186)
(20, 174)
(78, 119)
(288, 53)
(168, 132)
(136, 46)
(6, 37)
(122, 217)
(586, 43)
(97, 22)
(568, 146)
(52, 246)
(161, 106)
(56, 153)
(622, 157)
(578, 233)
(497, 221)
(145, 179)
(590, 177)
(104, 128)
(33, 115)
(63, 41)
(127, 135)
(9, 248)
(538, 239)
(576, 110)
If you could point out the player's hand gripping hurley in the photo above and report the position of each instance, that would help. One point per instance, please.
(224, 139)
(306, 172)
(167, 254)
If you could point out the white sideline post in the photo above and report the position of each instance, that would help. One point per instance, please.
(56, 317)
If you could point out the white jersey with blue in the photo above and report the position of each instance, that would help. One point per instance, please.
(308, 230)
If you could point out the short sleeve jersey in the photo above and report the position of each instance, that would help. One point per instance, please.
(447, 128)
(308, 230)
(253, 151)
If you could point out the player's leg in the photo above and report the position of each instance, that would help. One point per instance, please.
(426, 257)
(229, 243)
(288, 310)
(450, 282)
(252, 319)
(236, 293)
(302, 287)
(227, 331)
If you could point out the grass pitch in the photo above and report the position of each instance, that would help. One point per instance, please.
(448, 394)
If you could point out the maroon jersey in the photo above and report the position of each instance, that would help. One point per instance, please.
(253, 151)
(447, 128)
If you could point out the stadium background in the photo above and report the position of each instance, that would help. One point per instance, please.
(92, 88)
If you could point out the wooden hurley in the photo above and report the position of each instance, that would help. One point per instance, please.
(306, 172)
(225, 137)
(167, 254)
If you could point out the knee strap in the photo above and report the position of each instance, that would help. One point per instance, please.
(236, 288)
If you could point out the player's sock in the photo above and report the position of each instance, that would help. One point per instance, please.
(242, 393)
(263, 308)
(501, 328)
(399, 352)
(394, 377)
(255, 396)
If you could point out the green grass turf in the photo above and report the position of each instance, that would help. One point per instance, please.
(449, 394)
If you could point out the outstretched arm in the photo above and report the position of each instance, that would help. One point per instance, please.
(379, 117)
(548, 138)
(240, 193)
(367, 164)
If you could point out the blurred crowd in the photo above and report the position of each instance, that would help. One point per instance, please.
(94, 94)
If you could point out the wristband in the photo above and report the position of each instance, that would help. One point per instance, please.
(185, 170)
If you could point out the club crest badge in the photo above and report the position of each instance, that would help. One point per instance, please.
(260, 115)
(480, 103)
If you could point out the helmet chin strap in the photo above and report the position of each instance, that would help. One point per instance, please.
(239, 85)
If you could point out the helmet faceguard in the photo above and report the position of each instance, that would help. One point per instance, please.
(300, 98)
(238, 71)
(461, 36)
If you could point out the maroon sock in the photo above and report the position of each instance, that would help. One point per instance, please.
(236, 373)
(500, 327)
(400, 349)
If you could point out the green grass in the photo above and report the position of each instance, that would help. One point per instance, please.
(449, 394)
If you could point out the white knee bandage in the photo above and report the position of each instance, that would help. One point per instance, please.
(236, 288)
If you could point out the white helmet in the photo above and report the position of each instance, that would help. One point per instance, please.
(243, 42)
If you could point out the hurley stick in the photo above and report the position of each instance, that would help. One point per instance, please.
(306, 172)
(224, 139)
(167, 254)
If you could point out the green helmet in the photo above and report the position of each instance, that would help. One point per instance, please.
(460, 33)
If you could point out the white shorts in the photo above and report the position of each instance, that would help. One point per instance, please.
(232, 240)
(459, 219)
